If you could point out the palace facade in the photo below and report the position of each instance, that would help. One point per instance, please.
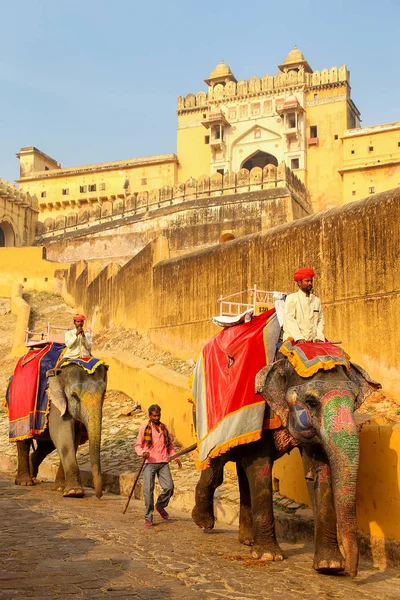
(303, 117)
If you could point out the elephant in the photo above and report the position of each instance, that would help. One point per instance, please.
(317, 415)
(76, 398)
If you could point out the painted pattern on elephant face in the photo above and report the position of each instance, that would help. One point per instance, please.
(337, 422)
(299, 420)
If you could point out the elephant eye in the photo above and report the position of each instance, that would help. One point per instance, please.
(312, 400)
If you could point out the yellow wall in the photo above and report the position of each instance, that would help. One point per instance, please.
(324, 161)
(363, 168)
(193, 152)
(27, 266)
(142, 177)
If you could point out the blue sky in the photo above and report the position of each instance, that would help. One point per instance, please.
(90, 81)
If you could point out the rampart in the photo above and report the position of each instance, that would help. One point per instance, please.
(265, 84)
(192, 215)
(18, 215)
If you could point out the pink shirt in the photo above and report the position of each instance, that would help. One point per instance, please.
(158, 452)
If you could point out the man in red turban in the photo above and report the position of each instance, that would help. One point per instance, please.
(78, 341)
(303, 320)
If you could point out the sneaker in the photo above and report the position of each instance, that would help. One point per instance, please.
(148, 523)
(163, 513)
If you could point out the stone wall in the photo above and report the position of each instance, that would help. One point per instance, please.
(205, 212)
(354, 250)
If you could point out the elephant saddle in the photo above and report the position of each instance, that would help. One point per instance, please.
(26, 399)
(311, 357)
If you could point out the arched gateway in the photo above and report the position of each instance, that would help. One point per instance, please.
(259, 159)
(7, 235)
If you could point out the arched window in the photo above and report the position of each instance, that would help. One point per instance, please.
(2, 238)
(259, 159)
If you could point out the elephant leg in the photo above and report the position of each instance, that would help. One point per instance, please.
(59, 483)
(327, 558)
(245, 522)
(258, 466)
(62, 432)
(23, 473)
(43, 448)
(210, 479)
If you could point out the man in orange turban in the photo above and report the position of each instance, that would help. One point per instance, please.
(78, 341)
(303, 320)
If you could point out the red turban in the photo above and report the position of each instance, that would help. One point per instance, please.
(79, 318)
(304, 273)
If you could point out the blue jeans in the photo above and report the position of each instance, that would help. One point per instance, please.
(163, 473)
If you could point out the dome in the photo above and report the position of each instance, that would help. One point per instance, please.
(294, 56)
(294, 60)
(222, 72)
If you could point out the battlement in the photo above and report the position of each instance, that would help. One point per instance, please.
(268, 84)
(10, 192)
(269, 177)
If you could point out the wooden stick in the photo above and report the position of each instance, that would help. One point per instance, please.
(182, 452)
(134, 485)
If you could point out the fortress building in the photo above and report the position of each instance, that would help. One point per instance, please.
(298, 130)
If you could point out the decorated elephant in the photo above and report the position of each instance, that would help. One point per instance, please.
(76, 399)
(316, 414)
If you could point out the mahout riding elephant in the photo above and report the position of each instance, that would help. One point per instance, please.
(76, 398)
(316, 415)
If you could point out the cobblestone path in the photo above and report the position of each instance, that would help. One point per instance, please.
(51, 547)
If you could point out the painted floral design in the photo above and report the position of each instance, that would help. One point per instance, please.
(263, 473)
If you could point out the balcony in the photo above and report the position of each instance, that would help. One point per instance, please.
(314, 141)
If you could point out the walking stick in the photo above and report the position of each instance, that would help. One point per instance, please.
(134, 485)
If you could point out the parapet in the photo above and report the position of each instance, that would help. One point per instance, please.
(266, 84)
(13, 194)
(243, 181)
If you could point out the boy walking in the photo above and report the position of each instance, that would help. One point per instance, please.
(154, 444)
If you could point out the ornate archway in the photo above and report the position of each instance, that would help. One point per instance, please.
(259, 159)
(7, 235)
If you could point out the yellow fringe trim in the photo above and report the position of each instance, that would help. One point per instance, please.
(304, 371)
(245, 438)
(90, 371)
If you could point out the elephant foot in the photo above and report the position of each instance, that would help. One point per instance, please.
(24, 480)
(74, 493)
(58, 487)
(268, 553)
(328, 561)
(202, 519)
(246, 536)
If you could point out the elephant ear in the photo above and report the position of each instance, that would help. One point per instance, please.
(271, 384)
(55, 390)
(366, 386)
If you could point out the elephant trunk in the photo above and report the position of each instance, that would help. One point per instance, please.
(341, 443)
(92, 405)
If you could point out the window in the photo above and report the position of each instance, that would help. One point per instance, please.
(217, 134)
(372, 190)
(313, 131)
(102, 186)
(315, 96)
(370, 148)
(207, 139)
(65, 192)
(82, 189)
(291, 121)
(204, 116)
(221, 171)
(43, 195)
(295, 163)
(398, 144)
(353, 193)
(257, 133)
(256, 108)
(92, 188)
(143, 181)
(336, 137)
(352, 151)
(47, 168)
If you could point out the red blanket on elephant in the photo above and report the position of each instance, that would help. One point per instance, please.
(26, 397)
(311, 357)
(228, 411)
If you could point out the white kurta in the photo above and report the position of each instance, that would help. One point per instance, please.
(303, 318)
(77, 345)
